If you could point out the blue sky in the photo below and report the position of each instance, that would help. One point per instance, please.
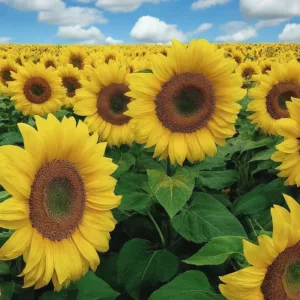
(148, 21)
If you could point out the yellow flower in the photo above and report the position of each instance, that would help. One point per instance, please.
(36, 90)
(289, 150)
(62, 193)
(271, 95)
(102, 100)
(188, 105)
(274, 273)
(70, 77)
(7, 66)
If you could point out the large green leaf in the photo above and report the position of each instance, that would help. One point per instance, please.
(205, 219)
(171, 192)
(217, 251)
(191, 285)
(91, 287)
(261, 198)
(217, 179)
(139, 266)
(11, 138)
(263, 155)
(6, 289)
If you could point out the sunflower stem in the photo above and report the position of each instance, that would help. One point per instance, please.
(169, 168)
(163, 241)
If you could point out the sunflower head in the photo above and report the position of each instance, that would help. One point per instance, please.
(62, 195)
(71, 78)
(182, 108)
(271, 96)
(36, 90)
(103, 101)
(274, 273)
(7, 66)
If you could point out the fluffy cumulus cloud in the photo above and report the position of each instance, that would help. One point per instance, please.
(5, 40)
(110, 40)
(203, 27)
(123, 5)
(290, 33)
(152, 30)
(35, 5)
(270, 9)
(270, 23)
(237, 31)
(203, 4)
(56, 12)
(83, 16)
(91, 35)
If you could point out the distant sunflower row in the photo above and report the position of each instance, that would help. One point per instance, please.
(186, 104)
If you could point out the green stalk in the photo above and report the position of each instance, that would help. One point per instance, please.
(163, 241)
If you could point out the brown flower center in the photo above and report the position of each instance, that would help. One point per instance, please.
(6, 76)
(71, 84)
(278, 96)
(57, 200)
(112, 103)
(247, 73)
(77, 61)
(282, 281)
(109, 57)
(186, 102)
(49, 63)
(37, 90)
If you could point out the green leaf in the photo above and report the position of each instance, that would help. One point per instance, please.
(4, 195)
(171, 192)
(140, 267)
(217, 251)
(145, 71)
(4, 236)
(4, 268)
(92, 287)
(206, 218)
(191, 285)
(260, 198)
(6, 290)
(11, 138)
(217, 179)
(263, 155)
(125, 162)
(64, 294)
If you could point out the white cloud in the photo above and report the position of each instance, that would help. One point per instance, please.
(203, 27)
(237, 31)
(110, 40)
(83, 16)
(270, 9)
(290, 33)
(153, 30)
(123, 5)
(5, 40)
(77, 33)
(35, 5)
(91, 35)
(269, 23)
(203, 4)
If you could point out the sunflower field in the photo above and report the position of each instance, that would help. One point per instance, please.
(160, 172)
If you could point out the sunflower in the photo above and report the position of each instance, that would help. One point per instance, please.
(188, 104)
(75, 56)
(7, 66)
(70, 77)
(102, 101)
(274, 273)
(49, 60)
(270, 97)
(36, 90)
(288, 153)
(247, 69)
(61, 197)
